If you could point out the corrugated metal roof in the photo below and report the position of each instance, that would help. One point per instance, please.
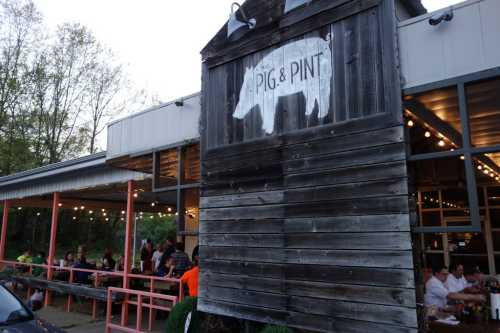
(81, 173)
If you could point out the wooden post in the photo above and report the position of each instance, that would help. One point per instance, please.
(52, 246)
(181, 207)
(3, 237)
(127, 264)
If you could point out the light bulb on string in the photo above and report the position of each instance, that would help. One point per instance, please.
(427, 134)
(441, 143)
(410, 123)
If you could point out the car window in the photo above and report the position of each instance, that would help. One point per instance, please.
(11, 309)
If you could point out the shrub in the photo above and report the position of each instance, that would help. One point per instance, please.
(177, 317)
(276, 329)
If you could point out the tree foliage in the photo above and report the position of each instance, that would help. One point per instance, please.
(57, 90)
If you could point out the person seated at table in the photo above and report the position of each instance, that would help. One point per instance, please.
(475, 278)
(120, 264)
(35, 302)
(82, 277)
(168, 250)
(107, 261)
(456, 282)
(191, 278)
(146, 257)
(24, 258)
(157, 254)
(68, 260)
(39, 259)
(196, 252)
(166, 269)
(436, 293)
(180, 260)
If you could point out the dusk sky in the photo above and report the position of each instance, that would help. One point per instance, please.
(158, 40)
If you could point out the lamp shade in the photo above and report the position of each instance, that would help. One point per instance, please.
(292, 4)
(236, 28)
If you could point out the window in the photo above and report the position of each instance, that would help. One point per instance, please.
(454, 138)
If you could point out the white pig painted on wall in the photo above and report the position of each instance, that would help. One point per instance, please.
(300, 66)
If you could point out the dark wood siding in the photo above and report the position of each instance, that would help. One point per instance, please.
(327, 236)
(357, 87)
(308, 225)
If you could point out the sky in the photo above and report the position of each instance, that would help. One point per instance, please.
(158, 40)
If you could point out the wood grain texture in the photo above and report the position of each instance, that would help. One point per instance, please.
(308, 225)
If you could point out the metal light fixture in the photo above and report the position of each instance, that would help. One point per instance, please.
(292, 4)
(236, 28)
(440, 17)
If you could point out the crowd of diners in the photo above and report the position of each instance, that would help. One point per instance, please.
(167, 260)
(446, 291)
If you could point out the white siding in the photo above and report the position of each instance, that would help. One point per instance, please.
(467, 44)
(155, 128)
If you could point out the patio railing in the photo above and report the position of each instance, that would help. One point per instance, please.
(98, 277)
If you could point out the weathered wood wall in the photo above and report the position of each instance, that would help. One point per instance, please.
(358, 88)
(308, 226)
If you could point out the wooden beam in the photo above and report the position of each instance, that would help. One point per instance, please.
(129, 227)
(52, 244)
(3, 237)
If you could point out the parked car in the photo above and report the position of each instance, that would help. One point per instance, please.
(16, 317)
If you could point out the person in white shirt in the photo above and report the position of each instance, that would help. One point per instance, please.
(456, 282)
(436, 293)
(157, 256)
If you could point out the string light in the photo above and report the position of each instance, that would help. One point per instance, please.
(19, 208)
(480, 167)
(91, 212)
(136, 195)
(427, 134)
(123, 212)
(169, 209)
(462, 158)
(153, 204)
(410, 123)
(59, 204)
(82, 207)
(74, 217)
(441, 143)
(38, 214)
(75, 208)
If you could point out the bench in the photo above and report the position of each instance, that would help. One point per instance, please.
(61, 287)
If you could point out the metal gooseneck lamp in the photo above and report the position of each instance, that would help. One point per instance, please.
(236, 27)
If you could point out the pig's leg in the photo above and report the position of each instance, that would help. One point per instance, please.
(269, 110)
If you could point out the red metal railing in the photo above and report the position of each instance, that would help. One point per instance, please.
(97, 281)
(139, 295)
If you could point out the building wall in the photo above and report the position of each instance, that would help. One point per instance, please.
(468, 44)
(154, 129)
(305, 223)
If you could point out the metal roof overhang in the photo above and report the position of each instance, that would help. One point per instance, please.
(159, 128)
(87, 179)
